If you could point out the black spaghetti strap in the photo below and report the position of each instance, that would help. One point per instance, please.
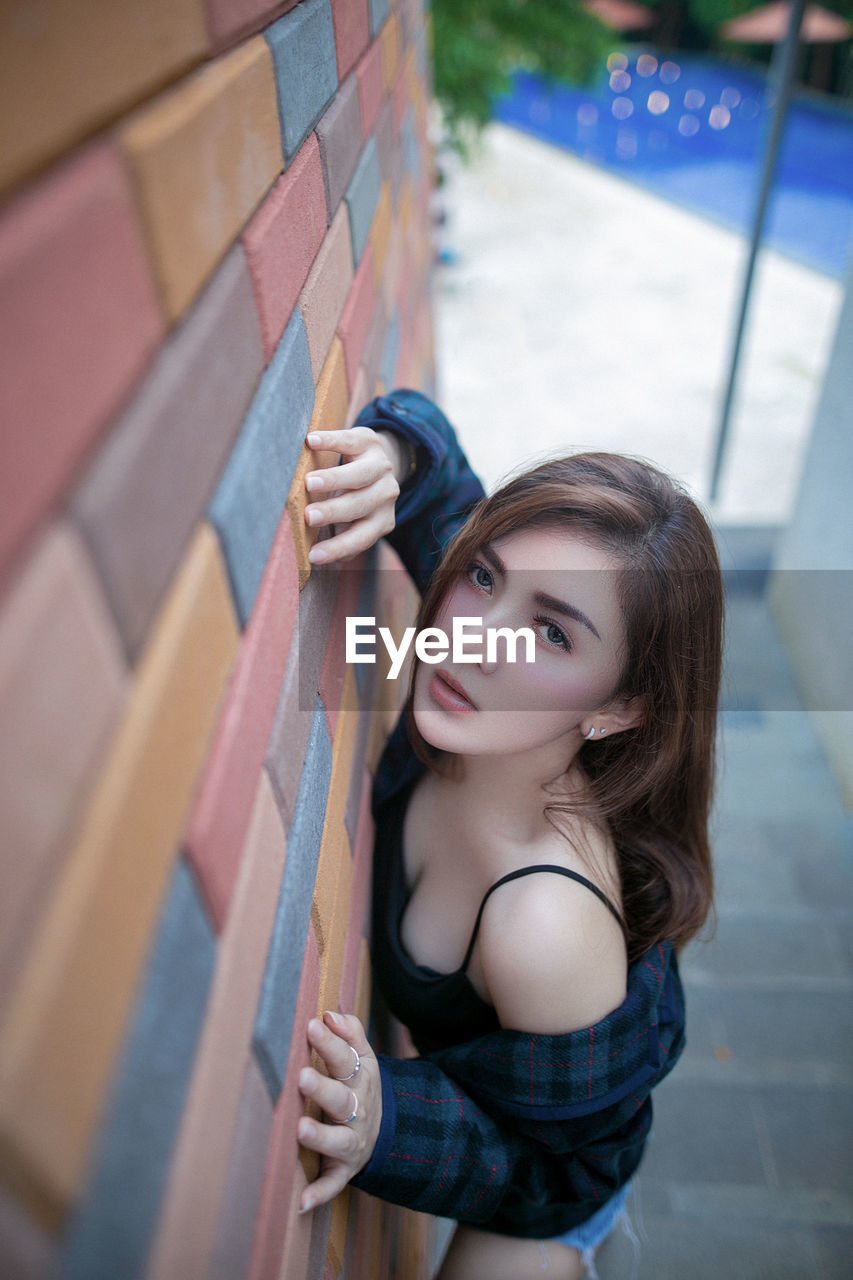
(527, 871)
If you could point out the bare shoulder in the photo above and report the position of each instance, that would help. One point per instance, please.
(552, 955)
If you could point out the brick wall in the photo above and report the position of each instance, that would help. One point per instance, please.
(213, 236)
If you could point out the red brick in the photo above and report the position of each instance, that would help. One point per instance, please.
(351, 21)
(284, 1170)
(221, 813)
(282, 241)
(78, 323)
(326, 289)
(371, 87)
(228, 20)
(357, 315)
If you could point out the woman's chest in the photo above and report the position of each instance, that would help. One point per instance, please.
(445, 879)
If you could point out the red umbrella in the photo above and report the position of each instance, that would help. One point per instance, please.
(769, 25)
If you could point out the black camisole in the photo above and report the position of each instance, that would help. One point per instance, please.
(439, 1009)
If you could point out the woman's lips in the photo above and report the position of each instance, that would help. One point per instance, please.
(448, 693)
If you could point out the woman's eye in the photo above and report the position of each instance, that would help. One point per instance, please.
(553, 634)
(479, 576)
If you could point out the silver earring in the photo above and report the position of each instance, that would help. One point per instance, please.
(591, 733)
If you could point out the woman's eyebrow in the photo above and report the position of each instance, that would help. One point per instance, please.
(569, 610)
(547, 602)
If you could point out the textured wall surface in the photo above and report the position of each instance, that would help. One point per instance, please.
(213, 236)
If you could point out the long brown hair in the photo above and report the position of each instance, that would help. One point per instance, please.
(653, 783)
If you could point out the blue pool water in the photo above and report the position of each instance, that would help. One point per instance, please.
(692, 129)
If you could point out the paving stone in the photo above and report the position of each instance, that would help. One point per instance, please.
(112, 1228)
(362, 197)
(351, 20)
(226, 794)
(243, 1184)
(147, 487)
(241, 1198)
(64, 1024)
(371, 87)
(250, 498)
(356, 317)
(202, 158)
(297, 702)
(674, 1247)
(834, 1246)
(784, 947)
(810, 1129)
(59, 85)
(339, 136)
(198, 1174)
(379, 10)
(306, 74)
(227, 20)
(705, 1128)
(282, 241)
(69, 246)
(390, 40)
(62, 686)
(282, 1238)
(274, 1023)
(321, 301)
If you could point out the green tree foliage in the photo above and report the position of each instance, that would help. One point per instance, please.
(478, 43)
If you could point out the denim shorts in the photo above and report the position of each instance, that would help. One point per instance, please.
(590, 1234)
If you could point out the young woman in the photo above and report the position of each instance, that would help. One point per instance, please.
(542, 849)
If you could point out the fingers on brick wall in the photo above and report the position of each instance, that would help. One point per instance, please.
(214, 236)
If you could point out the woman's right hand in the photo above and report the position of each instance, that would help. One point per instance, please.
(359, 495)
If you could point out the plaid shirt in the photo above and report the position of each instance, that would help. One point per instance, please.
(528, 1135)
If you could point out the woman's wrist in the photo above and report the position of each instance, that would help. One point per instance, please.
(401, 453)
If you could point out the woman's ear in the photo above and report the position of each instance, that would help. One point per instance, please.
(621, 714)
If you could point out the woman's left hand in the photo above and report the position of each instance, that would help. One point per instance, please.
(347, 1143)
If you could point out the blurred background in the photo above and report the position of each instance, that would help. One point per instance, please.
(603, 167)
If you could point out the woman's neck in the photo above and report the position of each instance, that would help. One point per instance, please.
(512, 790)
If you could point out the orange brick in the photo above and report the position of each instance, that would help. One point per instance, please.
(330, 410)
(70, 66)
(200, 1164)
(76, 988)
(203, 157)
(332, 959)
(338, 1230)
(390, 42)
(361, 1008)
(380, 234)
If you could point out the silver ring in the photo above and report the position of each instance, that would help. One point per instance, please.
(355, 1070)
(355, 1109)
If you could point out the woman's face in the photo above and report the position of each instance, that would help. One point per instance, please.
(565, 591)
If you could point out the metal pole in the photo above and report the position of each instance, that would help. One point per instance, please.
(783, 80)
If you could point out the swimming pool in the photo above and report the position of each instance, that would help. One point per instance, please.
(692, 130)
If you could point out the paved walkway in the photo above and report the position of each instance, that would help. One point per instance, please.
(603, 326)
(749, 1175)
